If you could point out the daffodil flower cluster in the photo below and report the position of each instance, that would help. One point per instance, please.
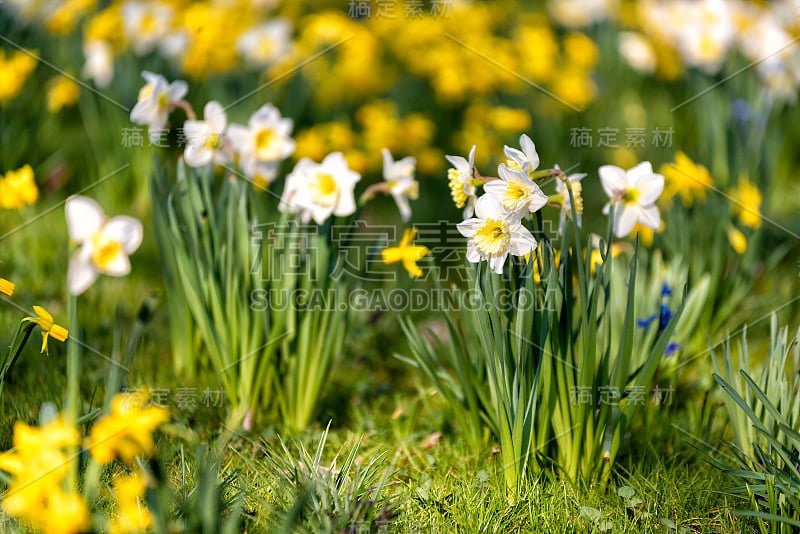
(702, 34)
(38, 466)
(40, 462)
(259, 146)
(496, 230)
(313, 190)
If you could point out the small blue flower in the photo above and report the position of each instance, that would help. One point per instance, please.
(666, 291)
(664, 318)
(672, 348)
(646, 322)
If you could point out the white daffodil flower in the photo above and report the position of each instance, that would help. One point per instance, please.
(319, 190)
(634, 192)
(516, 192)
(145, 23)
(399, 176)
(460, 177)
(263, 143)
(104, 245)
(152, 107)
(99, 64)
(566, 204)
(525, 160)
(267, 43)
(494, 234)
(204, 138)
(638, 52)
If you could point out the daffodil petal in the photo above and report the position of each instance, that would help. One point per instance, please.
(81, 274)
(626, 218)
(85, 217)
(126, 231)
(650, 188)
(613, 179)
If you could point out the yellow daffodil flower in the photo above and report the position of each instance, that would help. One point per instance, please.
(746, 199)
(62, 92)
(407, 253)
(38, 465)
(14, 71)
(596, 258)
(67, 513)
(737, 240)
(685, 178)
(6, 287)
(48, 327)
(18, 189)
(127, 431)
(133, 514)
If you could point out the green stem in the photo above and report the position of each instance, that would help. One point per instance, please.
(71, 405)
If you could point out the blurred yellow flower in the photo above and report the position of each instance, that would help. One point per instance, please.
(14, 71)
(508, 120)
(407, 253)
(737, 240)
(624, 157)
(575, 86)
(596, 259)
(210, 31)
(48, 327)
(647, 234)
(105, 26)
(133, 514)
(581, 50)
(6, 287)
(537, 43)
(66, 513)
(65, 15)
(18, 189)
(538, 261)
(127, 431)
(746, 200)
(62, 92)
(38, 466)
(321, 139)
(685, 178)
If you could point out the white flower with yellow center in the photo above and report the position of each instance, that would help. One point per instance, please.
(525, 160)
(145, 23)
(267, 43)
(263, 143)
(707, 34)
(634, 193)
(566, 203)
(153, 105)
(516, 192)
(494, 234)
(460, 177)
(99, 64)
(104, 245)
(399, 176)
(319, 190)
(204, 138)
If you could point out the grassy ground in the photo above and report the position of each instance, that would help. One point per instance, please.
(434, 483)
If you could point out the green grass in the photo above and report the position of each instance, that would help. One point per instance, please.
(436, 485)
